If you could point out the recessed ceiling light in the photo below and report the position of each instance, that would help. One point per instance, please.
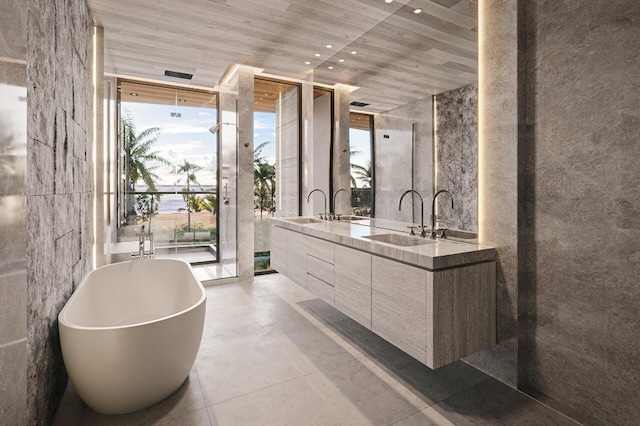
(340, 60)
(329, 46)
(418, 10)
(182, 100)
(353, 52)
(307, 63)
(316, 55)
(133, 94)
(330, 68)
(388, 1)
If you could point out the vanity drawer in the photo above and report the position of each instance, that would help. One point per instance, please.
(321, 289)
(320, 269)
(321, 249)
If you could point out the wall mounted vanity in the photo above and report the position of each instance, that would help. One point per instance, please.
(434, 299)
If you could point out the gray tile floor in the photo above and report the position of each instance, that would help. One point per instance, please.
(273, 354)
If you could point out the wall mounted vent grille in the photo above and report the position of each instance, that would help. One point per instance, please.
(177, 74)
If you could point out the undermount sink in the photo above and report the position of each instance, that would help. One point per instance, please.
(303, 220)
(399, 240)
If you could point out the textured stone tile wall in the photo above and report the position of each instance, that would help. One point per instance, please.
(246, 218)
(59, 186)
(580, 342)
(457, 156)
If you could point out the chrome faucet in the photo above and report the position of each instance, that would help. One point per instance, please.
(143, 253)
(433, 212)
(423, 233)
(141, 239)
(334, 202)
(325, 202)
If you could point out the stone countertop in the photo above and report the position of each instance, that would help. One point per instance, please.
(436, 254)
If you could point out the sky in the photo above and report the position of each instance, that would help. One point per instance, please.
(188, 137)
(185, 138)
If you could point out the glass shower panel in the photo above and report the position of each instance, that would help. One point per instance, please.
(168, 164)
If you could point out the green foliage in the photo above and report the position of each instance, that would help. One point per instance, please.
(264, 180)
(262, 264)
(146, 207)
(188, 169)
(362, 173)
(139, 154)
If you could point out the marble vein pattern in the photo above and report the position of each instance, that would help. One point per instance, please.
(457, 156)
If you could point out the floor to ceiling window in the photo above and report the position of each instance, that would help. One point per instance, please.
(362, 173)
(276, 160)
(169, 170)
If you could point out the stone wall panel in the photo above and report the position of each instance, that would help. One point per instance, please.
(457, 151)
(60, 222)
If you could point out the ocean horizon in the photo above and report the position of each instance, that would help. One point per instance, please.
(171, 203)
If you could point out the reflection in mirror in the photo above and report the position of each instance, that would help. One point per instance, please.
(404, 159)
(361, 154)
(425, 126)
(320, 175)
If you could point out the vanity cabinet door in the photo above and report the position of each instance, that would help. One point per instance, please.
(278, 249)
(398, 305)
(353, 284)
(296, 258)
(321, 249)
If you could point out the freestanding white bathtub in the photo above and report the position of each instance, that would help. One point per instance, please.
(131, 332)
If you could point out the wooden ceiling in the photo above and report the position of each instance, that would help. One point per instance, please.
(131, 91)
(401, 56)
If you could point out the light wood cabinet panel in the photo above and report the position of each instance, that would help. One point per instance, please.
(320, 249)
(296, 257)
(435, 316)
(321, 289)
(278, 249)
(460, 312)
(320, 269)
(353, 284)
(398, 305)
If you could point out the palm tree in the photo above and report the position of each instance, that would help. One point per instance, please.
(139, 154)
(264, 179)
(139, 157)
(189, 169)
(208, 203)
(362, 173)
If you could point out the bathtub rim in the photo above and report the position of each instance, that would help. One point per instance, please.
(62, 321)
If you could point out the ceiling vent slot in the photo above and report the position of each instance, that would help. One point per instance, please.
(358, 104)
(177, 74)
